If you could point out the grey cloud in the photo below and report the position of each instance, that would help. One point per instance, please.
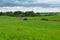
(26, 3)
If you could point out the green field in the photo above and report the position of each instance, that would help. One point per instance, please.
(16, 29)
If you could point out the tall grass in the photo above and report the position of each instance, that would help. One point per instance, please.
(13, 29)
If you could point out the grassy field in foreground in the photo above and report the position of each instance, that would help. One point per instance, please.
(14, 29)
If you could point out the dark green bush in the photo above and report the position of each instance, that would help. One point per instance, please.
(44, 19)
(25, 19)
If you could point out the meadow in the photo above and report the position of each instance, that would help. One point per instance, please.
(12, 28)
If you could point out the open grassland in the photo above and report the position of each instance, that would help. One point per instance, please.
(16, 29)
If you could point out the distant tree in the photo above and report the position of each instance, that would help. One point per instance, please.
(1, 13)
(38, 14)
(29, 13)
(9, 13)
(18, 13)
(51, 14)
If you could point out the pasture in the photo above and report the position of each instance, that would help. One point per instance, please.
(17, 29)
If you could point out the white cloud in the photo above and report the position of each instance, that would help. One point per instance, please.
(31, 3)
(49, 1)
(36, 9)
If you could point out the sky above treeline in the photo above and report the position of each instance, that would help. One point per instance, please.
(30, 5)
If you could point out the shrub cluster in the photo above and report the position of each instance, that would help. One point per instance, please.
(44, 19)
(24, 14)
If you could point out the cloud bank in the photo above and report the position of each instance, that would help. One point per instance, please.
(35, 9)
(31, 3)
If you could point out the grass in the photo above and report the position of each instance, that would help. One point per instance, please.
(15, 29)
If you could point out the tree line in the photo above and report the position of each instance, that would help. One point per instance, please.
(25, 14)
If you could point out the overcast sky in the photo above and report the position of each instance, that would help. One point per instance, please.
(26, 5)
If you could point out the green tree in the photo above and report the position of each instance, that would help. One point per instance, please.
(18, 13)
(29, 13)
(1, 13)
(9, 13)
